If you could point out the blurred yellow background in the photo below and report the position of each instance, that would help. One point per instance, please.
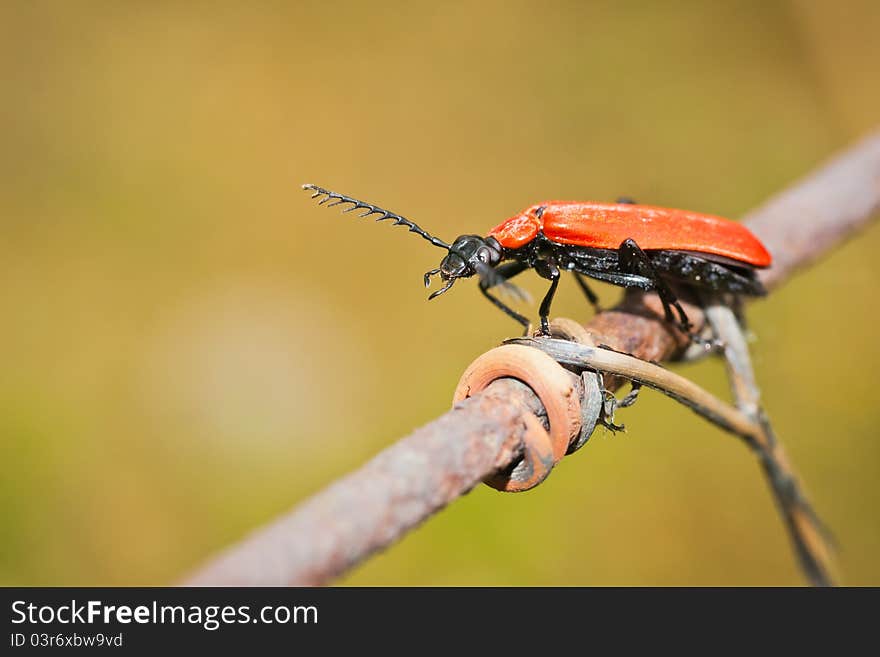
(190, 346)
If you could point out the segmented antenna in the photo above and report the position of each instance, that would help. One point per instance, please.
(340, 199)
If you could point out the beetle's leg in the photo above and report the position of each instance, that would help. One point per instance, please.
(548, 270)
(631, 396)
(506, 271)
(626, 200)
(610, 403)
(588, 292)
(632, 259)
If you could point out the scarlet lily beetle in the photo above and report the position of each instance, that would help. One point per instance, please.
(622, 243)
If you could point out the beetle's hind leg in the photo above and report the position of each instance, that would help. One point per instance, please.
(631, 396)
(610, 403)
(633, 260)
(726, 280)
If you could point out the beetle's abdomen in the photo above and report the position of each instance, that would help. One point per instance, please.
(606, 225)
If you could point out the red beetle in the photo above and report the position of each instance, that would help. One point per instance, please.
(621, 243)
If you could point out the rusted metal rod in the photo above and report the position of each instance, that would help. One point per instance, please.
(373, 507)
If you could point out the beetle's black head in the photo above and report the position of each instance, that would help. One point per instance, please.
(468, 255)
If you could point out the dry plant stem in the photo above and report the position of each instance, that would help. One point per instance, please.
(669, 383)
(808, 536)
(726, 328)
(804, 529)
(375, 505)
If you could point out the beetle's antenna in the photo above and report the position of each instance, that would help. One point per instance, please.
(370, 209)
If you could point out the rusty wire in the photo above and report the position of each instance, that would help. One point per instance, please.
(420, 474)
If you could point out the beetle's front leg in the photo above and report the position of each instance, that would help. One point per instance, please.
(549, 270)
(505, 272)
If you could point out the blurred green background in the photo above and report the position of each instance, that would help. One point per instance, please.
(190, 346)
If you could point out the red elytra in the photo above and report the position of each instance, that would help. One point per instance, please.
(606, 225)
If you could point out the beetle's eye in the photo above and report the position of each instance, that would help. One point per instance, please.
(483, 255)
